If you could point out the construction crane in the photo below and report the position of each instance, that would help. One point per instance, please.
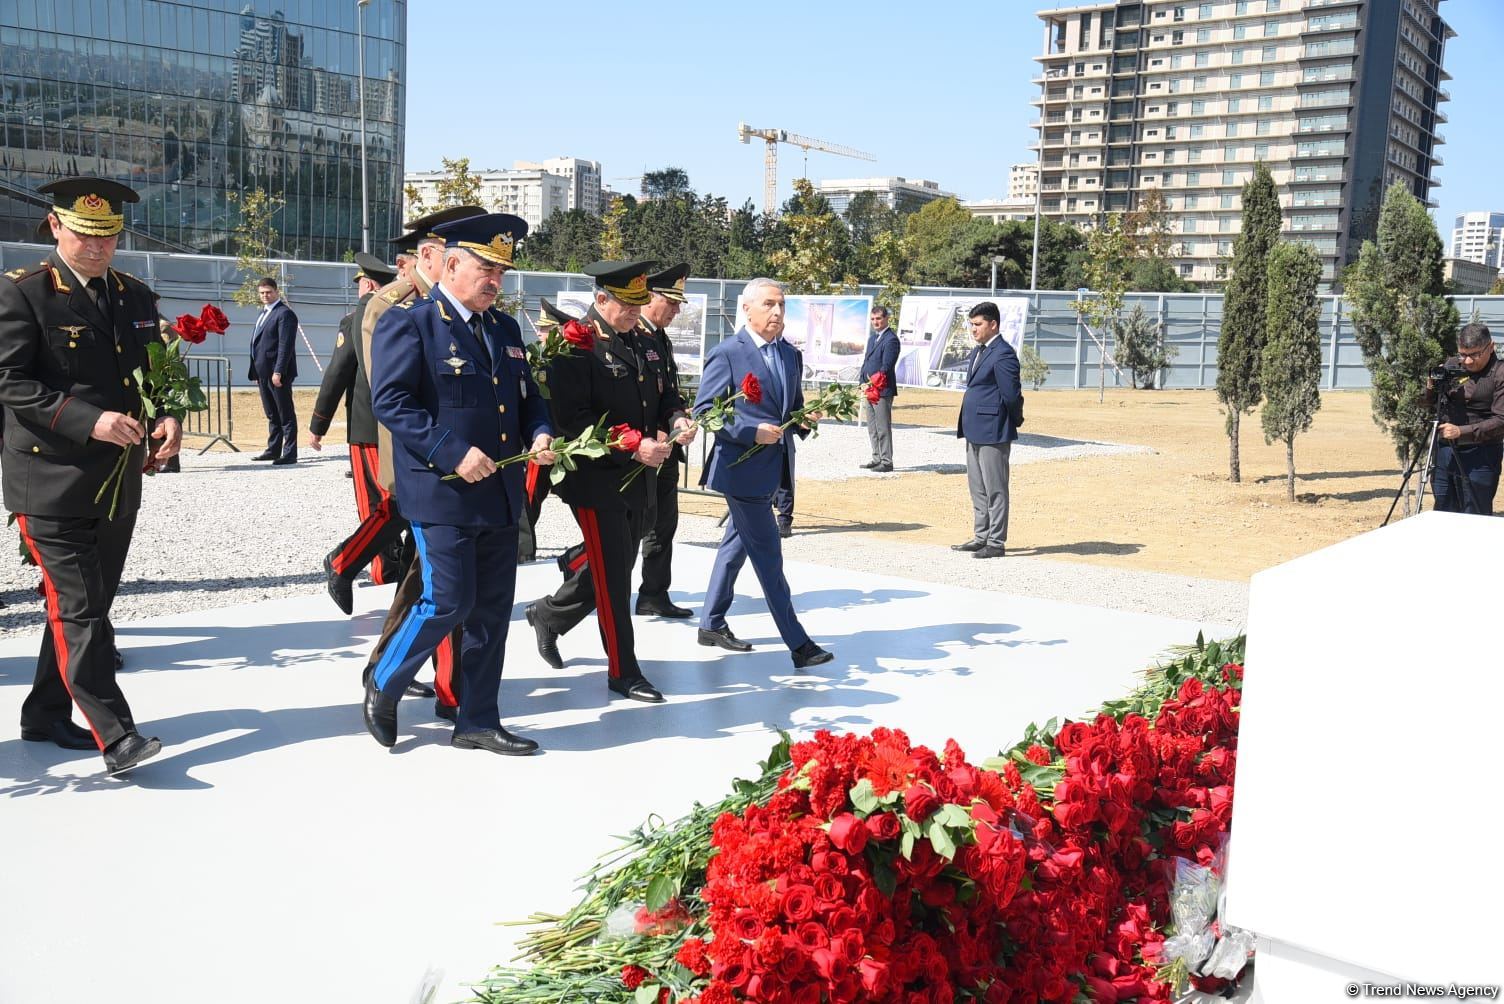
(773, 137)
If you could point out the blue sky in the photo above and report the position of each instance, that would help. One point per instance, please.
(936, 91)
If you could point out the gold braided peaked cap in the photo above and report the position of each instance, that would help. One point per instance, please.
(625, 280)
(492, 237)
(93, 207)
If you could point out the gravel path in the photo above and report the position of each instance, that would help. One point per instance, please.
(227, 531)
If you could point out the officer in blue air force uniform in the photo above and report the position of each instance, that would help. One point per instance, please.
(453, 386)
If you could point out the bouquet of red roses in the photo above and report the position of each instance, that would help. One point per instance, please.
(554, 341)
(873, 389)
(837, 401)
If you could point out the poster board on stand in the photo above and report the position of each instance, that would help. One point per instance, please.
(686, 333)
(935, 340)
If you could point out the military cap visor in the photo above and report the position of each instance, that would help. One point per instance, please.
(550, 316)
(91, 207)
(669, 283)
(491, 237)
(421, 229)
(373, 268)
(625, 280)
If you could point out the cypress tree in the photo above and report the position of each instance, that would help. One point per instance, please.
(1290, 368)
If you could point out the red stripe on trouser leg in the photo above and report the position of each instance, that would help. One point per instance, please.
(443, 672)
(532, 481)
(55, 623)
(580, 560)
(345, 557)
(591, 529)
(361, 477)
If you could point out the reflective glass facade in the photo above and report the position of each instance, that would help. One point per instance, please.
(190, 103)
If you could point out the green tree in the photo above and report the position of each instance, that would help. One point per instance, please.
(886, 259)
(667, 183)
(814, 257)
(745, 258)
(933, 234)
(1403, 323)
(1290, 367)
(567, 241)
(613, 239)
(1107, 254)
(1147, 228)
(1062, 255)
(1497, 289)
(1240, 348)
(1032, 367)
(255, 240)
(1140, 347)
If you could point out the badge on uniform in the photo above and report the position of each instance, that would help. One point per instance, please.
(515, 352)
(652, 356)
(454, 361)
(145, 324)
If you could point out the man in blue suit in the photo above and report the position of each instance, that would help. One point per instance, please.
(748, 487)
(881, 357)
(451, 382)
(274, 366)
(991, 412)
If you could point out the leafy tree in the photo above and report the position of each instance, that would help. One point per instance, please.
(1062, 255)
(1107, 254)
(885, 259)
(817, 244)
(1290, 367)
(1032, 367)
(1156, 275)
(744, 239)
(457, 188)
(255, 240)
(1497, 289)
(565, 242)
(1403, 323)
(667, 183)
(1240, 348)
(613, 241)
(1140, 347)
(1147, 228)
(933, 234)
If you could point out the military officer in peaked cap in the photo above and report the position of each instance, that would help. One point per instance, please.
(667, 288)
(618, 380)
(73, 331)
(375, 540)
(453, 385)
(536, 482)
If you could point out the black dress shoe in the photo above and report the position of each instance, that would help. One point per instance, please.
(284, 461)
(548, 638)
(660, 606)
(638, 690)
(381, 715)
(870, 464)
(810, 654)
(62, 733)
(416, 689)
(448, 712)
(723, 638)
(341, 590)
(883, 469)
(266, 455)
(785, 529)
(128, 751)
(990, 551)
(495, 741)
(970, 545)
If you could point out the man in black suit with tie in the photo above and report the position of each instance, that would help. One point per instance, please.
(991, 412)
(881, 358)
(274, 366)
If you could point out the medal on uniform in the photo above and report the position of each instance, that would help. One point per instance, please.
(454, 362)
(73, 330)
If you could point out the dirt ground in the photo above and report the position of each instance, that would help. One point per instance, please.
(1170, 511)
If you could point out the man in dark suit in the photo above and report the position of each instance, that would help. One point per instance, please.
(748, 486)
(73, 331)
(667, 288)
(881, 357)
(453, 386)
(991, 412)
(274, 367)
(373, 542)
(616, 379)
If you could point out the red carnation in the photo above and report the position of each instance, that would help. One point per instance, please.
(214, 319)
(190, 329)
(751, 389)
(579, 335)
(692, 956)
(632, 976)
(625, 438)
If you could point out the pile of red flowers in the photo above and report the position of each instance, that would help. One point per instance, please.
(883, 871)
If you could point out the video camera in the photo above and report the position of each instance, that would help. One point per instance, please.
(1443, 376)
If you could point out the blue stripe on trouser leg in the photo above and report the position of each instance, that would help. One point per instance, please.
(400, 646)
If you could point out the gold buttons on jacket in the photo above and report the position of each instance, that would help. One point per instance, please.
(496, 379)
(72, 345)
(503, 437)
(36, 449)
(126, 381)
(120, 348)
(503, 408)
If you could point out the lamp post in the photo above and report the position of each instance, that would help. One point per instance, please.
(996, 259)
(365, 198)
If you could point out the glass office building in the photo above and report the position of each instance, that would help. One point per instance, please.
(195, 104)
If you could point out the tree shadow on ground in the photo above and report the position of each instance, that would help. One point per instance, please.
(1363, 496)
(1327, 475)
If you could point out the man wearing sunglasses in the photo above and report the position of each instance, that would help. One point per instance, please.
(1472, 427)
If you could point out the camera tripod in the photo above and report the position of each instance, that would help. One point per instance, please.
(1428, 472)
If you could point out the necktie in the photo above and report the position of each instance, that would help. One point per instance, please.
(101, 296)
(976, 355)
(480, 336)
(775, 370)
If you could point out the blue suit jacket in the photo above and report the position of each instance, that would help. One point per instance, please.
(882, 357)
(274, 347)
(727, 363)
(438, 398)
(993, 406)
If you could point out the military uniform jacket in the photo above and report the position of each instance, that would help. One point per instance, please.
(345, 377)
(656, 342)
(62, 364)
(620, 380)
(439, 397)
(403, 291)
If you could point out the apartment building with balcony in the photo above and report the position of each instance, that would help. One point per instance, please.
(1341, 98)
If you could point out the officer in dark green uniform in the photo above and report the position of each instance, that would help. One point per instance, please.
(615, 379)
(536, 483)
(72, 333)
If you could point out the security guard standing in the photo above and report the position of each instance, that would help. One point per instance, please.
(453, 386)
(72, 333)
(615, 379)
(375, 541)
(536, 481)
(667, 288)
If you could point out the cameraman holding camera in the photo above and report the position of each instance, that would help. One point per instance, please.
(1472, 423)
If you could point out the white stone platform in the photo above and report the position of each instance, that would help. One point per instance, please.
(274, 852)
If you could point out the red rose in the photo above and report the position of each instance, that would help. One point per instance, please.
(632, 976)
(874, 976)
(883, 826)
(872, 393)
(624, 438)
(579, 335)
(190, 329)
(848, 833)
(799, 903)
(879, 382)
(919, 802)
(751, 389)
(214, 319)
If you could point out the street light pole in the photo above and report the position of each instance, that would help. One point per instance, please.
(365, 198)
(1044, 104)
